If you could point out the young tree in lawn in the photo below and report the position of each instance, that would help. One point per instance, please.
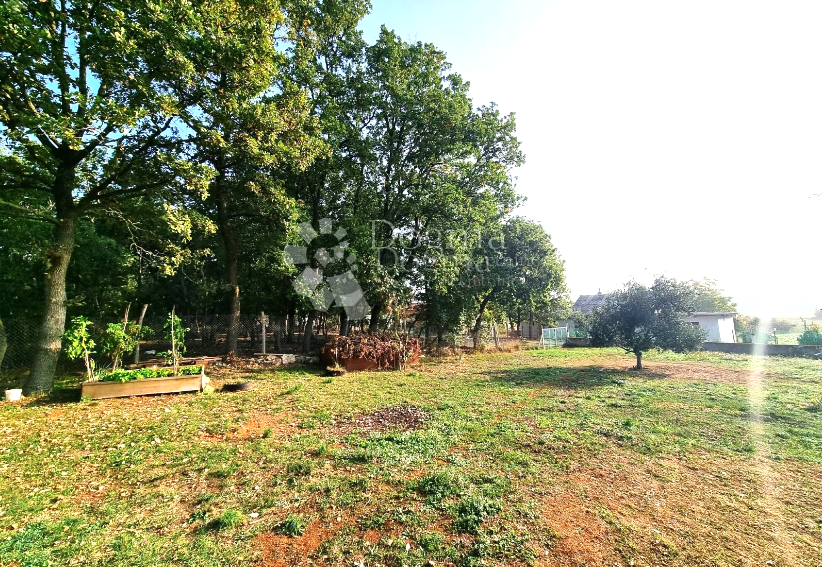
(639, 318)
(89, 98)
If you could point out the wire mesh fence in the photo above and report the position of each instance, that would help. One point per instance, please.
(21, 341)
(206, 335)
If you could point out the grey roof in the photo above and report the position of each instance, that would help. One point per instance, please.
(586, 303)
(713, 314)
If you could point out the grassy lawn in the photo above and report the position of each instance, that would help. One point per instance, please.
(555, 457)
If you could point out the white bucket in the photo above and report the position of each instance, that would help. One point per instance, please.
(14, 395)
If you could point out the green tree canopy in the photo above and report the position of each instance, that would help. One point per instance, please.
(93, 97)
(638, 318)
(708, 297)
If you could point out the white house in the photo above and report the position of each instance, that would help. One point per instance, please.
(718, 327)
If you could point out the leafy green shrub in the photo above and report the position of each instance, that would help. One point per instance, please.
(472, 511)
(120, 338)
(77, 343)
(292, 526)
(811, 337)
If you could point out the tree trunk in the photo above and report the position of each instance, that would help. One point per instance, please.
(478, 322)
(49, 342)
(139, 331)
(374, 324)
(232, 254)
(3, 342)
(309, 329)
(290, 323)
(638, 354)
(343, 324)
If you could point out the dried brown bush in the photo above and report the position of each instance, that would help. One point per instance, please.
(387, 350)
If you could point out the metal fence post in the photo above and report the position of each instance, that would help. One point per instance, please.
(263, 322)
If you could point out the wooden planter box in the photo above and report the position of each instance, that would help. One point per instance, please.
(144, 387)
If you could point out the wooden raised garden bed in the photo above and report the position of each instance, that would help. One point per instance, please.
(145, 386)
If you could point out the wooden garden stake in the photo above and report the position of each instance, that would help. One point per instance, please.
(139, 332)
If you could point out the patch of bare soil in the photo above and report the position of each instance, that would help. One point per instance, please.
(698, 511)
(286, 551)
(675, 370)
(706, 372)
(583, 538)
(259, 423)
(403, 418)
(277, 550)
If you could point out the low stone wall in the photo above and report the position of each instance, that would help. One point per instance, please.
(805, 351)
(285, 359)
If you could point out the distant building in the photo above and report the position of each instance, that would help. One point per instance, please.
(584, 304)
(587, 303)
(718, 327)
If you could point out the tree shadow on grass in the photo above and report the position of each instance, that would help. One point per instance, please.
(573, 378)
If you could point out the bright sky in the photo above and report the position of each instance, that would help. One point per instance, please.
(675, 137)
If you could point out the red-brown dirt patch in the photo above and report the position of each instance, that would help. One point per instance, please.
(583, 538)
(286, 551)
(259, 422)
(698, 511)
(675, 370)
